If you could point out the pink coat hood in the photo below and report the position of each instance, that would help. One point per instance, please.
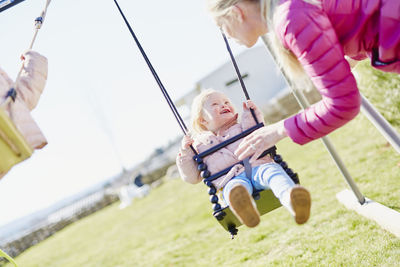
(30, 87)
(320, 37)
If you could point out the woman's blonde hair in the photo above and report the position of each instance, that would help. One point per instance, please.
(197, 111)
(285, 58)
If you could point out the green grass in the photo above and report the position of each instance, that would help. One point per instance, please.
(173, 226)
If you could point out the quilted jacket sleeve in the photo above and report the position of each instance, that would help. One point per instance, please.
(33, 78)
(307, 32)
(187, 167)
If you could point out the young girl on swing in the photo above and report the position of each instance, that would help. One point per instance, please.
(214, 120)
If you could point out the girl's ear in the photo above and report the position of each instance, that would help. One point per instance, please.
(237, 13)
(202, 121)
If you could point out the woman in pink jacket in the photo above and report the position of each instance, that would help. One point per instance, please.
(313, 37)
(214, 121)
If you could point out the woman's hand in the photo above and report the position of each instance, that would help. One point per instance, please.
(187, 141)
(260, 140)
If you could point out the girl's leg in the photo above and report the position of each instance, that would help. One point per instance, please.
(238, 180)
(238, 194)
(296, 199)
(272, 176)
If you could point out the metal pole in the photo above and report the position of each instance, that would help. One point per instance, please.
(380, 123)
(302, 101)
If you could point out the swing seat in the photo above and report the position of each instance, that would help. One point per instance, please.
(266, 202)
(13, 146)
(7, 257)
(265, 199)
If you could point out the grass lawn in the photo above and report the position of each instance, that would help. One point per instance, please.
(173, 226)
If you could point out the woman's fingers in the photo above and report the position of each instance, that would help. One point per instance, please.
(255, 143)
(252, 149)
(260, 140)
(256, 155)
(251, 145)
(247, 152)
(244, 145)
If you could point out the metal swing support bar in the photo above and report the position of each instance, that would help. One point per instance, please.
(301, 99)
(380, 123)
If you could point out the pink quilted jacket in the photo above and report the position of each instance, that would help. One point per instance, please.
(30, 87)
(221, 159)
(320, 37)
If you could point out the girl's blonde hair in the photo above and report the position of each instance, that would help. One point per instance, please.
(197, 110)
(285, 58)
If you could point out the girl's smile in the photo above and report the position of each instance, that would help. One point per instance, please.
(225, 110)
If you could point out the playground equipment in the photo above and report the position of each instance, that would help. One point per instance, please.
(13, 146)
(265, 199)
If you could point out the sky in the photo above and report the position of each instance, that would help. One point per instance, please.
(101, 108)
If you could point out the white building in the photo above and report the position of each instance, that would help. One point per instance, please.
(262, 79)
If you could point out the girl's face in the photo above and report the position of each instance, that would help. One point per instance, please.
(244, 24)
(217, 111)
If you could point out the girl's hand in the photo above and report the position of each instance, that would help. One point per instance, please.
(260, 140)
(249, 105)
(187, 141)
(23, 56)
(249, 109)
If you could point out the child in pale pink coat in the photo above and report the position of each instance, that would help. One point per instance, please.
(30, 85)
(214, 121)
(315, 37)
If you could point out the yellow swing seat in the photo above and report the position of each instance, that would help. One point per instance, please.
(13, 146)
